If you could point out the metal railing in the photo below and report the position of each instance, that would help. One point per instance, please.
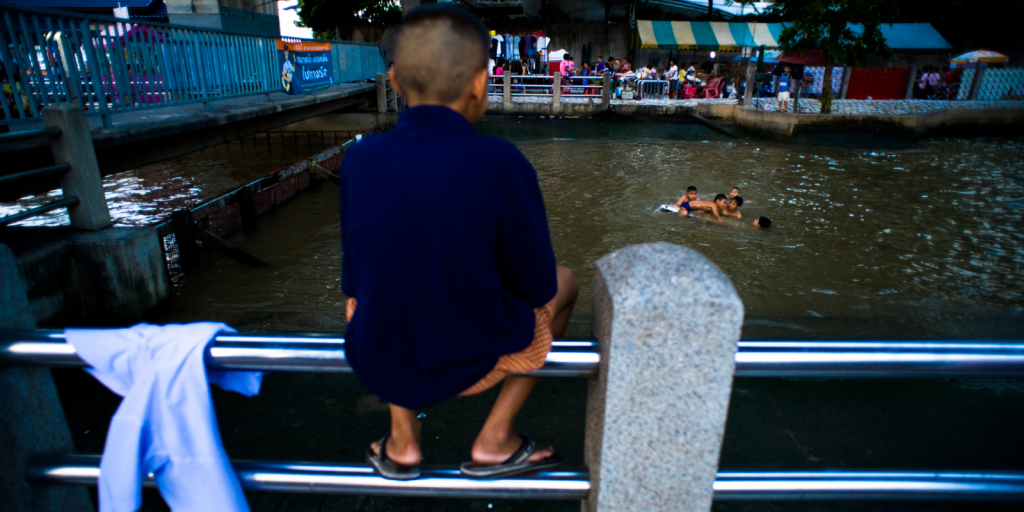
(652, 89)
(544, 85)
(580, 358)
(320, 478)
(109, 65)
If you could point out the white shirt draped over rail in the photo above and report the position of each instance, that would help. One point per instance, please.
(166, 423)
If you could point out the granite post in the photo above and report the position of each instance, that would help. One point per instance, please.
(31, 418)
(83, 180)
(667, 321)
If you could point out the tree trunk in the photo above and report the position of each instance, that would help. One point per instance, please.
(826, 87)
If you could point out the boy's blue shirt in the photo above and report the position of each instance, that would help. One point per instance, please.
(447, 251)
(784, 80)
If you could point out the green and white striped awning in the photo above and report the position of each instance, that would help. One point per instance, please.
(707, 35)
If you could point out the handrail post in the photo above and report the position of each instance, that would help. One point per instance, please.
(506, 91)
(556, 93)
(83, 179)
(382, 94)
(667, 321)
(606, 90)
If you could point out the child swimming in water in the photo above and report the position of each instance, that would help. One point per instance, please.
(703, 206)
(690, 195)
(732, 207)
(763, 222)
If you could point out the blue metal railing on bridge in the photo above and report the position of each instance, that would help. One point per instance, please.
(109, 65)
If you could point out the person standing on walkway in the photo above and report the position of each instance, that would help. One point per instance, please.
(483, 256)
(785, 81)
(673, 79)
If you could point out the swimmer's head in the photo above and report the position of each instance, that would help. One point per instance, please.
(720, 200)
(734, 192)
(736, 202)
(441, 58)
(763, 222)
(691, 193)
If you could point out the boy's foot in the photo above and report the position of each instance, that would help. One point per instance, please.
(527, 458)
(398, 467)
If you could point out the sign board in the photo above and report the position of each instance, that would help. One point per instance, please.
(121, 12)
(305, 65)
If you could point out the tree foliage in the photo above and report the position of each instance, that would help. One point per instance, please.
(323, 16)
(846, 31)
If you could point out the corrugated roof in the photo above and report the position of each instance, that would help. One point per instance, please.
(91, 5)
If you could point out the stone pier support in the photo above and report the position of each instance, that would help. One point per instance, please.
(83, 180)
(506, 89)
(667, 321)
(32, 421)
(748, 89)
(847, 71)
(909, 95)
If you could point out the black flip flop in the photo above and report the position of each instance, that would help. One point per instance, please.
(388, 468)
(518, 464)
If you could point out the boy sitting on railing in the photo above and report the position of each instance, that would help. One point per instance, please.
(461, 291)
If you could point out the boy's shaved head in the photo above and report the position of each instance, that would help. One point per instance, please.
(438, 49)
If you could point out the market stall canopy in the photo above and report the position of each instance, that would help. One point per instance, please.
(986, 56)
(707, 35)
(725, 36)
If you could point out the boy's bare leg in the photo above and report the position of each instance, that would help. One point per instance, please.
(497, 440)
(404, 441)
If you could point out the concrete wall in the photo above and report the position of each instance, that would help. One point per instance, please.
(245, 16)
(878, 130)
(32, 421)
(107, 277)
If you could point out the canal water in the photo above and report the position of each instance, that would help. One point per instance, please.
(920, 242)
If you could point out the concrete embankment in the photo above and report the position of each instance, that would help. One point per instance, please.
(878, 130)
(839, 129)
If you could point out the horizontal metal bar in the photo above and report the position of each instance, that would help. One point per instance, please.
(323, 478)
(319, 478)
(580, 358)
(1003, 358)
(870, 485)
(9, 137)
(272, 352)
(60, 168)
(39, 210)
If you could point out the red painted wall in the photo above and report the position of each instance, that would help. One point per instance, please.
(879, 83)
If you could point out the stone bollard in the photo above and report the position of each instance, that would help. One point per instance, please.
(506, 91)
(556, 94)
(83, 180)
(667, 321)
(31, 418)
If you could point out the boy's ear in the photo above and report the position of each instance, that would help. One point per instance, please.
(478, 84)
(394, 83)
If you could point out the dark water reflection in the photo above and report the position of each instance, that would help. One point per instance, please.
(149, 194)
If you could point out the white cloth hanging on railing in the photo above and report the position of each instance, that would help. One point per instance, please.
(165, 424)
